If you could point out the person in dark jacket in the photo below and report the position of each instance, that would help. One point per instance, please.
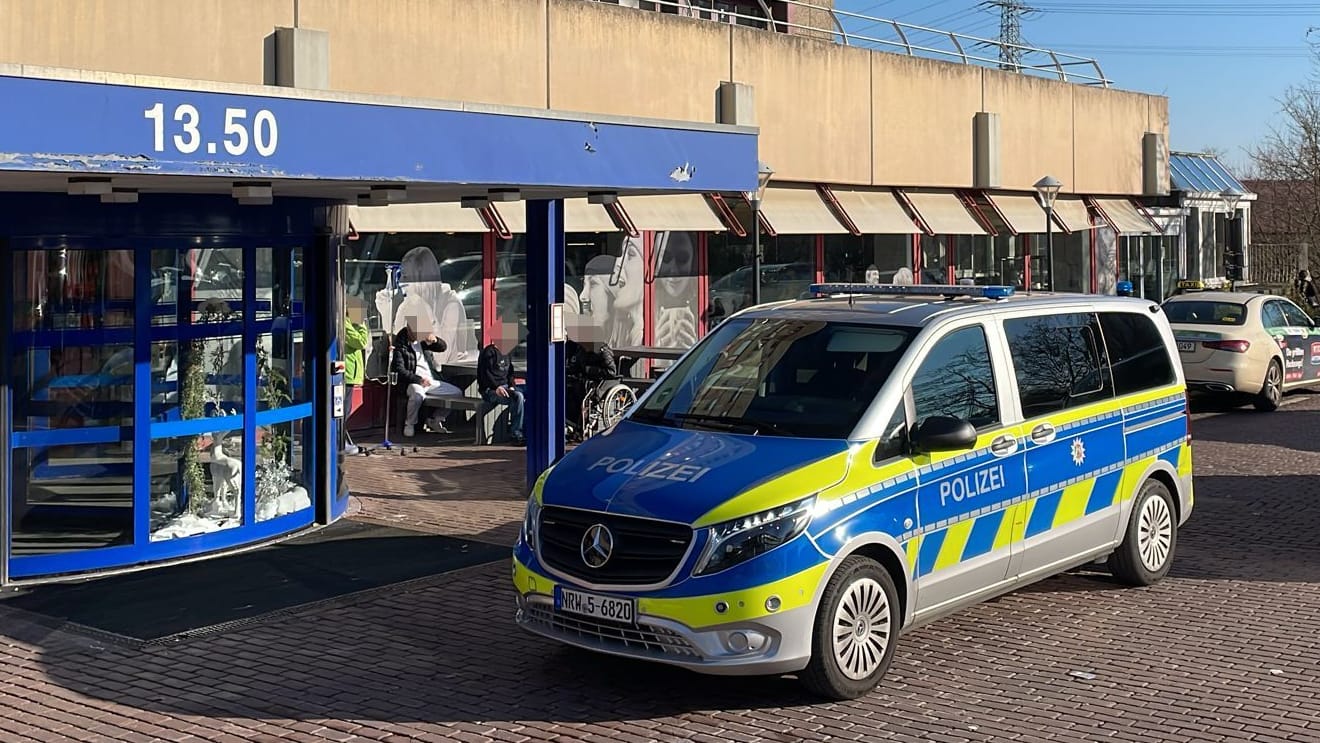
(1305, 287)
(495, 381)
(586, 365)
(415, 376)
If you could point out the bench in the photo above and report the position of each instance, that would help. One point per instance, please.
(489, 421)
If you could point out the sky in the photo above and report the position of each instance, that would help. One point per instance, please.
(1223, 64)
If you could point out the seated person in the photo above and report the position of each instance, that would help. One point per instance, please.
(416, 376)
(586, 365)
(495, 381)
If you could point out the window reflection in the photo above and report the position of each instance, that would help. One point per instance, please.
(69, 496)
(73, 387)
(956, 380)
(779, 377)
(852, 258)
(1058, 362)
(73, 289)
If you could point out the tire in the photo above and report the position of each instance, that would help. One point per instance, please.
(855, 664)
(1148, 547)
(616, 402)
(1271, 392)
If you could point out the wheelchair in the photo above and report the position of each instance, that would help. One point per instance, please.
(603, 404)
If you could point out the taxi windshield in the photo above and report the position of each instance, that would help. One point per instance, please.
(803, 378)
(1205, 312)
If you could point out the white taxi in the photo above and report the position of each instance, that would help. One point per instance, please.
(1240, 343)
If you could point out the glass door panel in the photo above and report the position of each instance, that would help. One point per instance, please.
(71, 371)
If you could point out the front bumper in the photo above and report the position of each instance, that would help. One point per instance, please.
(764, 645)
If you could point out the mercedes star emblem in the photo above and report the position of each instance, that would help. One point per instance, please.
(597, 545)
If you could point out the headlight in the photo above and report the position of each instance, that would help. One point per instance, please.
(530, 519)
(739, 540)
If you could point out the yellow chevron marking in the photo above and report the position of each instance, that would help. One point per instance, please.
(912, 547)
(955, 541)
(1127, 486)
(1072, 505)
(1021, 518)
(1004, 536)
(1185, 460)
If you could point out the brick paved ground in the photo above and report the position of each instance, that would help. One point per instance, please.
(1227, 649)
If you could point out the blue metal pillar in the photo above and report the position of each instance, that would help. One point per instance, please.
(544, 421)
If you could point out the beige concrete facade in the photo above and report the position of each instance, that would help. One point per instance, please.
(828, 113)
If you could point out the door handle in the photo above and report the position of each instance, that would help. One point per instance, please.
(1043, 433)
(1003, 445)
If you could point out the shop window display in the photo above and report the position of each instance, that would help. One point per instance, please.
(854, 258)
(788, 268)
(604, 281)
(674, 314)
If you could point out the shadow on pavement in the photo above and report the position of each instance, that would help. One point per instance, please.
(1291, 428)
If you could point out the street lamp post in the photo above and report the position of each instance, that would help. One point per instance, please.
(1048, 189)
(1232, 251)
(763, 174)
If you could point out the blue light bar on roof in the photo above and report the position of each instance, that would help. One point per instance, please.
(916, 290)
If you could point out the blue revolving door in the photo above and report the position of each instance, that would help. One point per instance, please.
(161, 378)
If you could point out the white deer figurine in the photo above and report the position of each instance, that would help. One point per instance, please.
(226, 477)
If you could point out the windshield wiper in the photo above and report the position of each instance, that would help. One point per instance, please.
(728, 422)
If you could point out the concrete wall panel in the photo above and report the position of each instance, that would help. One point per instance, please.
(813, 104)
(486, 51)
(1036, 128)
(203, 39)
(1109, 128)
(828, 113)
(923, 112)
(602, 60)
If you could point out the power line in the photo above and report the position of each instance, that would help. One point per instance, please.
(1160, 50)
(1201, 8)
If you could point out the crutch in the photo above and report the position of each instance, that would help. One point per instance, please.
(393, 283)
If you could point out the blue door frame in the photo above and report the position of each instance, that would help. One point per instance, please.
(46, 222)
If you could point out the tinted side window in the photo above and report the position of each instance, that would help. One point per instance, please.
(1294, 315)
(957, 380)
(893, 442)
(1058, 361)
(1271, 316)
(1137, 354)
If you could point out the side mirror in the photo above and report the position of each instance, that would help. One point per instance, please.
(943, 433)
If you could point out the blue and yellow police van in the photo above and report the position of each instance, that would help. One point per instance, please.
(818, 476)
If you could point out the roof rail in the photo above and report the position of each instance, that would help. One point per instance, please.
(884, 34)
(915, 290)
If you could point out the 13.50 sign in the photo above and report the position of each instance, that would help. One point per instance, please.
(261, 132)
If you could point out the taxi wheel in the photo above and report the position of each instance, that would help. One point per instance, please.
(1147, 550)
(855, 632)
(1271, 393)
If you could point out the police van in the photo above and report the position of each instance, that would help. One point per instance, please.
(817, 477)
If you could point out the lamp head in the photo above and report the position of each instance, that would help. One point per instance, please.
(1231, 200)
(1048, 188)
(763, 174)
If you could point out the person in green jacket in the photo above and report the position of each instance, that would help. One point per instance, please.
(356, 338)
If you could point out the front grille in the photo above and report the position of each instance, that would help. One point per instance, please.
(644, 638)
(644, 552)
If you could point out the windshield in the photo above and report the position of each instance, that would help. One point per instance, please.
(778, 377)
(1205, 312)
